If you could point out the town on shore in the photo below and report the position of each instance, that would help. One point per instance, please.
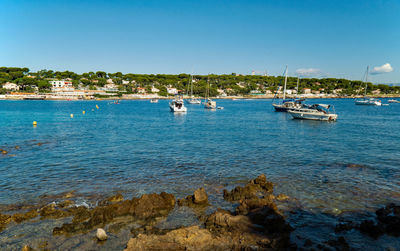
(20, 83)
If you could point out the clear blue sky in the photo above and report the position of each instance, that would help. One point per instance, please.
(334, 38)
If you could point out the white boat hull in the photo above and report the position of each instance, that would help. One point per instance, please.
(210, 105)
(313, 115)
(193, 101)
(177, 106)
(368, 102)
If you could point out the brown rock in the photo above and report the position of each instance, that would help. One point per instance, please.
(282, 197)
(188, 238)
(199, 198)
(20, 217)
(50, 211)
(255, 188)
(4, 220)
(66, 203)
(147, 207)
(27, 248)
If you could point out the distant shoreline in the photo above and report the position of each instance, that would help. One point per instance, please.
(148, 97)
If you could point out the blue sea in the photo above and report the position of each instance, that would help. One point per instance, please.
(137, 147)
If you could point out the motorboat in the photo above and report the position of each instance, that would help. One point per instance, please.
(210, 104)
(368, 101)
(177, 105)
(153, 100)
(321, 112)
(393, 101)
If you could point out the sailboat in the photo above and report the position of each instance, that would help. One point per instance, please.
(208, 102)
(366, 100)
(286, 104)
(192, 99)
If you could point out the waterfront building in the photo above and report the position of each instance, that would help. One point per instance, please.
(11, 86)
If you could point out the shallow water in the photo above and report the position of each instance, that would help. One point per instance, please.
(138, 147)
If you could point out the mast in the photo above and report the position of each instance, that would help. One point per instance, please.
(297, 88)
(284, 88)
(366, 80)
(191, 86)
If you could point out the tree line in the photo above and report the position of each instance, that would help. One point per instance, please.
(232, 84)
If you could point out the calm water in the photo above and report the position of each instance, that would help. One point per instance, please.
(137, 147)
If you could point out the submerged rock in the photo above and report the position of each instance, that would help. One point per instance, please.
(101, 234)
(4, 220)
(20, 217)
(27, 248)
(199, 198)
(4, 152)
(387, 222)
(66, 203)
(51, 212)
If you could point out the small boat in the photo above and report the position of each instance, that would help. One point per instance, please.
(366, 100)
(321, 112)
(177, 105)
(393, 101)
(208, 102)
(153, 100)
(192, 100)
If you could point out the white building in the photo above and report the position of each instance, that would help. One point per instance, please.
(154, 90)
(172, 91)
(11, 86)
(61, 85)
(125, 82)
(110, 87)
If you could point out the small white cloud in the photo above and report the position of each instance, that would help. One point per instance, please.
(308, 72)
(382, 69)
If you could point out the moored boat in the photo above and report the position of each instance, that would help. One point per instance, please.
(208, 102)
(153, 100)
(192, 100)
(366, 100)
(321, 112)
(177, 105)
(393, 101)
(287, 104)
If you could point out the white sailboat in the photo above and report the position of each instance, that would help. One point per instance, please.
(192, 100)
(366, 100)
(208, 102)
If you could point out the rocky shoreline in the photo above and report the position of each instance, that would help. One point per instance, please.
(256, 223)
